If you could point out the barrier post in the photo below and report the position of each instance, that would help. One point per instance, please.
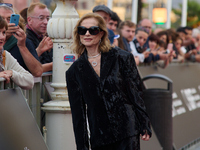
(59, 127)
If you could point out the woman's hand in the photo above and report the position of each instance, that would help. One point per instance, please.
(146, 54)
(7, 75)
(145, 137)
(11, 29)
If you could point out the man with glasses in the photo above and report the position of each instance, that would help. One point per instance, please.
(37, 19)
(17, 44)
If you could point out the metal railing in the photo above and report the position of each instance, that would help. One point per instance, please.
(36, 96)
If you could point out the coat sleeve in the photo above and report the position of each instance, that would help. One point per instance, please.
(78, 110)
(135, 93)
(20, 76)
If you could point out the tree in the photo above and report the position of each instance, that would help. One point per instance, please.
(139, 17)
(192, 14)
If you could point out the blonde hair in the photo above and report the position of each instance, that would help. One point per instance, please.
(21, 22)
(33, 5)
(104, 45)
(127, 23)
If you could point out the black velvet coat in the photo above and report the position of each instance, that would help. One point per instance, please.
(113, 102)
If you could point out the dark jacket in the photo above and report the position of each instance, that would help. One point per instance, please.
(46, 57)
(126, 45)
(15, 52)
(115, 107)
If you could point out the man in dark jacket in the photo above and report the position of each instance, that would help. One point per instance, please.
(37, 18)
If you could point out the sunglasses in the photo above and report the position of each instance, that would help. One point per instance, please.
(94, 30)
(6, 4)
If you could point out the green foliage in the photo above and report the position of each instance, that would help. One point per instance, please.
(193, 8)
(145, 5)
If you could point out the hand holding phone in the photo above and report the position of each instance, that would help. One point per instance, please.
(14, 18)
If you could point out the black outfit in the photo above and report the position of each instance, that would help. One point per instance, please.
(113, 102)
(130, 143)
(192, 57)
(46, 57)
(190, 47)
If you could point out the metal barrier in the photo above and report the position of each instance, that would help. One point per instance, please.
(185, 104)
(35, 96)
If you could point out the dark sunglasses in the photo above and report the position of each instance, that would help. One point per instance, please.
(6, 4)
(94, 30)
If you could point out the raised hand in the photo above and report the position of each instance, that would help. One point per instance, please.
(20, 35)
(11, 29)
(45, 45)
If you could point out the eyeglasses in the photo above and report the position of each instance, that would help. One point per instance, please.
(147, 27)
(94, 30)
(6, 4)
(41, 18)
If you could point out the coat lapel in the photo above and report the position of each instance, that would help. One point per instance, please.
(107, 60)
(86, 69)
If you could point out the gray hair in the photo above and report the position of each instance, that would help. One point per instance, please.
(7, 8)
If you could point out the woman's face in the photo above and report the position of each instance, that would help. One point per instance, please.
(163, 38)
(197, 40)
(152, 45)
(141, 37)
(178, 43)
(90, 41)
(2, 37)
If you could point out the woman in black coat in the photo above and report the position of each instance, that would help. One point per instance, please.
(104, 87)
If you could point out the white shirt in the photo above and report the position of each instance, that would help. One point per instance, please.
(135, 52)
(20, 76)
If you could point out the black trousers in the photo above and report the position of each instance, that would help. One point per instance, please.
(131, 143)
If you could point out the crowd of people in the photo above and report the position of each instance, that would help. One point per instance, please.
(30, 45)
(27, 42)
(160, 46)
(105, 89)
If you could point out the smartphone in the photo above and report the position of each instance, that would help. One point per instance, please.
(14, 18)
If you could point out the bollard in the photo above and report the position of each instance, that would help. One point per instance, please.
(58, 120)
(158, 104)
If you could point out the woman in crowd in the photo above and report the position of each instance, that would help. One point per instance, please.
(180, 56)
(153, 49)
(9, 67)
(167, 37)
(141, 35)
(164, 37)
(156, 54)
(104, 86)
